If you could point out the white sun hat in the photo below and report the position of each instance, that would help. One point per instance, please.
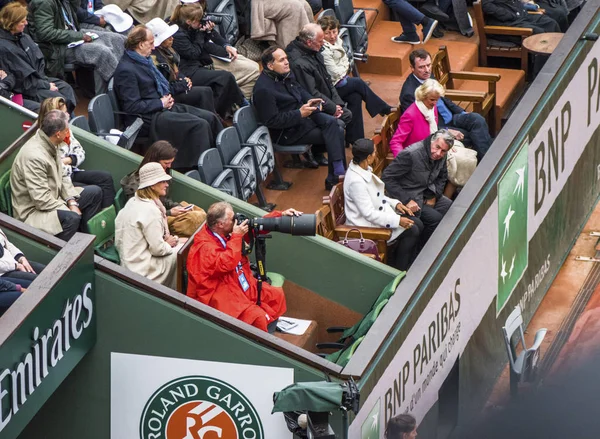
(119, 20)
(161, 30)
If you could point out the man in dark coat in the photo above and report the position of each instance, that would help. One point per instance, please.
(417, 178)
(513, 13)
(23, 60)
(472, 125)
(310, 71)
(293, 116)
(143, 90)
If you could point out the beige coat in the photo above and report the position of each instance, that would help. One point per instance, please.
(279, 20)
(139, 237)
(145, 10)
(38, 186)
(336, 60)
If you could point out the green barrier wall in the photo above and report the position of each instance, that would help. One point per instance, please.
(133, 322)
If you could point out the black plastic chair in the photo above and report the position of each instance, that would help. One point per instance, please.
(193, 174)
(246, 120)
(100, 112)
(241, 160)
(347, 45)
(210, 169)
(355, 20)
(258, 138)
(81, 122)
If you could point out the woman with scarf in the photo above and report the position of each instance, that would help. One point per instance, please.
(144, 92)
(167, 62)
(142, 235)
(421, 118)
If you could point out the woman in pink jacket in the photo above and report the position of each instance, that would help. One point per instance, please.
(420, 119)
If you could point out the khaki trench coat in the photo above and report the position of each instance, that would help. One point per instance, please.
(37, 184)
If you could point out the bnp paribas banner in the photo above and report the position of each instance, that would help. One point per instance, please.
(498, 258)
(172, 398)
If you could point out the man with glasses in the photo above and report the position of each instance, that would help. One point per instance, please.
(417, 178)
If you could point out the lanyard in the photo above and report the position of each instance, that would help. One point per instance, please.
(238, 268)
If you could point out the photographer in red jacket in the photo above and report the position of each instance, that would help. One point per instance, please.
(219, 275)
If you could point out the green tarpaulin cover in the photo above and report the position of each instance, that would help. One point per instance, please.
(319, 396)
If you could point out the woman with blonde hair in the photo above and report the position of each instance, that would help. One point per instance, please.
(72, 155)
(142, 235)
(199, 44)
(23, 61)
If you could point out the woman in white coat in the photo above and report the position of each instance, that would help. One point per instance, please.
(142, 235)
(366, 205)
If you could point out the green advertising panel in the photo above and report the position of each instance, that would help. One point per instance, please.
(513, 247)
(58, 329)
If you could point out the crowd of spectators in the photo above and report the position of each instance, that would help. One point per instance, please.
(185, 81)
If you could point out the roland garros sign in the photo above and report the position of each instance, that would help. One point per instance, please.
(199, 407)
(174, 398)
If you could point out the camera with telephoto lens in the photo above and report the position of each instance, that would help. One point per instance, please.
(303, 225)
(214, 18)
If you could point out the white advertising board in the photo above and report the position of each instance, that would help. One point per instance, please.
(172, 398)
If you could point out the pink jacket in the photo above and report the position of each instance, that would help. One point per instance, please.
(412, 128)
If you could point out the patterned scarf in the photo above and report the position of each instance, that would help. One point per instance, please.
(161, 83)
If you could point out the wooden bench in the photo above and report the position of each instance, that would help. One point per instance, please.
(491, 92)
(336, 227)
(486, 49)
(382, 144)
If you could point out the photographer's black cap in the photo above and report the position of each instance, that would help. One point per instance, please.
(362, 148)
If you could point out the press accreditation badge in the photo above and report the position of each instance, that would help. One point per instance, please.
(243, 281)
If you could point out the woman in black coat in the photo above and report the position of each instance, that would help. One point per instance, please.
(143, 91)
(24, 62)
(197, 64)
(167, 62)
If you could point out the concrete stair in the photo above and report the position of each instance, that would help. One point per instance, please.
(373, 17)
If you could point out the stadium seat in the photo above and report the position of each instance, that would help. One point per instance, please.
(355, 20)
(102, 225)
(120, 200)
(347, 44)
(523, 366)
(259, 139)
(193, 174)
(212, 173)
(100, 112)
(491, 48)
(5, 194)
(241, 160)
(81, 122)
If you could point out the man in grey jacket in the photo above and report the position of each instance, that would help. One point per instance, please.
(417, 178)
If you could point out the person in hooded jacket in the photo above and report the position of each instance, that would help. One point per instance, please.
(23, 60)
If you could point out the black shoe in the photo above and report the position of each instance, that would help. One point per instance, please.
(403, 38)
(310, 161)
(321, 160)
(329, 184)
(432, 11)
(428, 29)
(438, 33)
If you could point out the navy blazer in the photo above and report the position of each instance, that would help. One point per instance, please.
(136, 88)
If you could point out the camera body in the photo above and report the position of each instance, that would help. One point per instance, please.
(214, 18)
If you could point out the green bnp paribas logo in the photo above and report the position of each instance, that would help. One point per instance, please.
(513, 246)
(199, 407)
(370, 426)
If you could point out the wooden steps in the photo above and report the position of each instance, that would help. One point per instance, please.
(372, 16)
(389, 58)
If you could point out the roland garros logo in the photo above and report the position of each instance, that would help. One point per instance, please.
(199, 407)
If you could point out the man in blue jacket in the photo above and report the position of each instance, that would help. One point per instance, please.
(293, 116)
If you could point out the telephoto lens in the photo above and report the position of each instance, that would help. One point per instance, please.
(303, 225)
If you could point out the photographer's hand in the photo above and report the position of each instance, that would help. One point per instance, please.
(240, 229)
(291, 212)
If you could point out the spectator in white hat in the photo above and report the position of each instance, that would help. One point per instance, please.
(167, 60)
(142, 235)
